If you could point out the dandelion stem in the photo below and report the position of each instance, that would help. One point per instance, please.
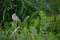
(14, 31)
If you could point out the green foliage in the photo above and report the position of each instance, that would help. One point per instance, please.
(39, 20)
(39, 28)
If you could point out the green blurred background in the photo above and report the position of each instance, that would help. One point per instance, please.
(39, 19)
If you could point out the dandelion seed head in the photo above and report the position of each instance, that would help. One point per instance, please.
(14, 17)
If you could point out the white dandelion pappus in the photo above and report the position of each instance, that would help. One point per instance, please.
(15, 18)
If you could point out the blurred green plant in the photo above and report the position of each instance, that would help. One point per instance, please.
(39, 20)
(40, 28)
